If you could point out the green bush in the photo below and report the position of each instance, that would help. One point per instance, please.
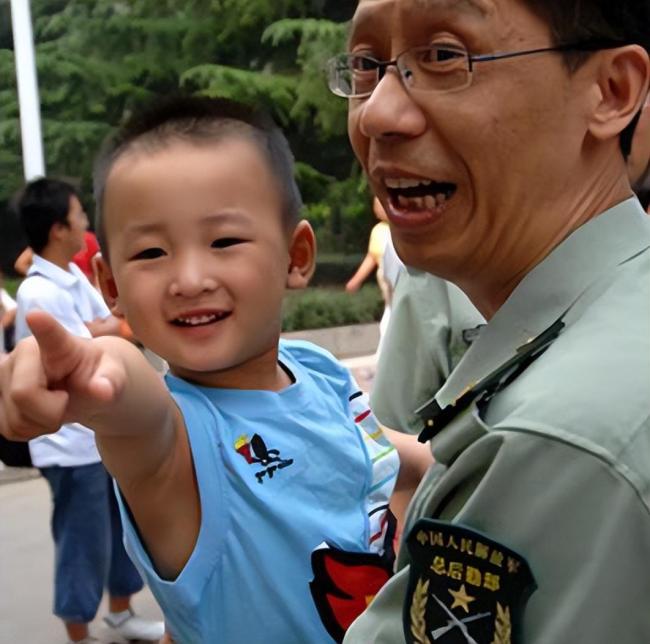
(317, 308)
(11, 285)
(312, 308)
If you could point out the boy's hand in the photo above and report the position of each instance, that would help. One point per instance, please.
(53, 378)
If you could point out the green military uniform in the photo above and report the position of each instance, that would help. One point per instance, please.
(411, 370)
(541, 489)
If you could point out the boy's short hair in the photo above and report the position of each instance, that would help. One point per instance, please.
(40, 205)
(201, 121)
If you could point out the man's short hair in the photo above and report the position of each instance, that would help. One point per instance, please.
(200, 121)
(572, 21)
(41, 204)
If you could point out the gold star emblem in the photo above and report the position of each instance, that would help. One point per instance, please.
(461, 598)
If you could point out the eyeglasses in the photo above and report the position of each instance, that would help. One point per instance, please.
(433, 68)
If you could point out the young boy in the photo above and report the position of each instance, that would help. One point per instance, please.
(257, 474)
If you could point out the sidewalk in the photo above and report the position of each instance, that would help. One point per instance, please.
(26, 567)
(26, 554)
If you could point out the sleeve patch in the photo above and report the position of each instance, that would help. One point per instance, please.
(463, 587)
(344, 584)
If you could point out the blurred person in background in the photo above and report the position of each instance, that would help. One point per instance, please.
(7, 318)
(86, 526)
(383, 260)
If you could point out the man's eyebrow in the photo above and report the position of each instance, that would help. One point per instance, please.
(365, 12)
(472, 6)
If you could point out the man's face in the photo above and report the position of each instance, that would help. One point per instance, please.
(199, 256)
(485, 163)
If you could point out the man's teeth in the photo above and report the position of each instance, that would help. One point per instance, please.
(396, 184)
(429, 202)
(197, 320)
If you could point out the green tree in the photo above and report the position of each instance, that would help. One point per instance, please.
(98, 59)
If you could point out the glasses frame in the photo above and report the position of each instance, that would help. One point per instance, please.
(383, 65)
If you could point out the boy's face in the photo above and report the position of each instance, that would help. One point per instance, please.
(199, 256)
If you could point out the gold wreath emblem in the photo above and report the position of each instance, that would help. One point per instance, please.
(418, 612)
(502, 626)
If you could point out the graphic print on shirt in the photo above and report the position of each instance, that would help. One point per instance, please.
(345, 582)
(255, 452)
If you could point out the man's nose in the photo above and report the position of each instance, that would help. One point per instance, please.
(191, 278)
(390, 110)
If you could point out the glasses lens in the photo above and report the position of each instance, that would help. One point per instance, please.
(435, 68)
(352, 75)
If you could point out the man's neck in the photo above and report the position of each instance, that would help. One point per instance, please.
(492, 288)
(56, 256)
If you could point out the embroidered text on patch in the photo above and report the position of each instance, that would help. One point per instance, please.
(463, 587)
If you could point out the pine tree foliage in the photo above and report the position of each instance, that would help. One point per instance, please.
(98, 59)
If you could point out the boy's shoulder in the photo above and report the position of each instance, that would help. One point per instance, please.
(305, 351)
(312, 357)
(38, 289)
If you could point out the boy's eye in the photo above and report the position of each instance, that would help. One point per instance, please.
(149, 253)
(224, 242)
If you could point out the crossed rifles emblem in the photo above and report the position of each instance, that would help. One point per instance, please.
(454, 622)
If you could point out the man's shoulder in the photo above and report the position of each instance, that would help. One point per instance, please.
(592, 386)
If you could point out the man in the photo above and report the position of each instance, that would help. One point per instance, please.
(85, 520)
(496, 136)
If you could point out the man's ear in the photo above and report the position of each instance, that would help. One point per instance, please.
(107, 285)
(302, 256)
(623, 75)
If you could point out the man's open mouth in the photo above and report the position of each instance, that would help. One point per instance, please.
(419, 194)
(200, 320)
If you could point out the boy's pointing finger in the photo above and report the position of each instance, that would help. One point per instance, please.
(60, 351)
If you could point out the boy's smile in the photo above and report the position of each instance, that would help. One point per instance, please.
(200, 257)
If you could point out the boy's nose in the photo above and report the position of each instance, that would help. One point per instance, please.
(191, 280)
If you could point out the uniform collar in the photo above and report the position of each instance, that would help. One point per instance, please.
(550, 289)
(65, 279)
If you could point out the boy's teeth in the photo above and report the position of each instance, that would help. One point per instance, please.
(430, 202)
(198, 319)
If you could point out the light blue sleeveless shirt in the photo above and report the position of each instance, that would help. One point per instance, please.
(279, 474)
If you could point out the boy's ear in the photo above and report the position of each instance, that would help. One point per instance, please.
(622, 82)
(56, 231)
(302, 256)
(107, 285)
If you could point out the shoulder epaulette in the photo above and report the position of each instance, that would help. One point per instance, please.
(435, 417)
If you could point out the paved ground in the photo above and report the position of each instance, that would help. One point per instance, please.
(26, 556)
(26, 562)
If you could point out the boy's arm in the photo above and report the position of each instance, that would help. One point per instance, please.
(107, 385)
